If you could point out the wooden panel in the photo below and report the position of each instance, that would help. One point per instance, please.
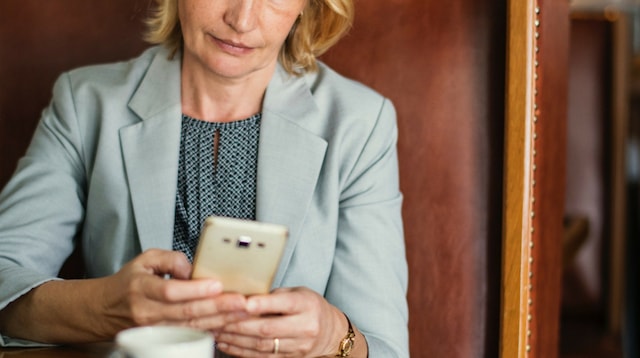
(443, 67)
(518, 179)
(535, 176)
(618, 134)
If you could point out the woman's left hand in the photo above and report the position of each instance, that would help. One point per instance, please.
(289, 322)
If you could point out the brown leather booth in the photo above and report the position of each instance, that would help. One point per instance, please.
(443, 65)
(39, 40)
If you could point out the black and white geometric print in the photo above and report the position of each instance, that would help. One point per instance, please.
(216, 176)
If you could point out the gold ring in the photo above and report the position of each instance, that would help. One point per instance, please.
(276, 345)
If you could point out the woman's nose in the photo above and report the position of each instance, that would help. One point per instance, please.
(243, 15)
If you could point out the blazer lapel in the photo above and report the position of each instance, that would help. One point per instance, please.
(289, 159)
(290, 155)
(151, 150)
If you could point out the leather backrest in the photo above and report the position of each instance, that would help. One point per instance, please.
(442, 64)
(41, 39)
(38, 41)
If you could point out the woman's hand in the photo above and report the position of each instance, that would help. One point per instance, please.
(89, 310)
(139, 294)
(302, 321)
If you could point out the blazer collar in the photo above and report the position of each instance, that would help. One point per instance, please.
(290, 154)
(159, 90)
(151, 149)
(290, 157)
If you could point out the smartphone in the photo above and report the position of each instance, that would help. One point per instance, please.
(243, 254)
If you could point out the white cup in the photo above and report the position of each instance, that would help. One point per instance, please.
(165, 342)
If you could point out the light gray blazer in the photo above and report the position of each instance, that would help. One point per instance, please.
(103, 163)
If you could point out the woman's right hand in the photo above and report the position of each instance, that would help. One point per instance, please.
(141, 294)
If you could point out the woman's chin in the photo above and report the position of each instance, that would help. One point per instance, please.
(237, 71)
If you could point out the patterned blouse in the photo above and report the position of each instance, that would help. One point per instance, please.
(216, 175)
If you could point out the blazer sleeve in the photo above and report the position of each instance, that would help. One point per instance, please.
(42, 206)
(369, 276)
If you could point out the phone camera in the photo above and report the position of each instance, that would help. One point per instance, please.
(244, 241)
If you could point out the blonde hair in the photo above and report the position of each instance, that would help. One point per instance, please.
(319, 26)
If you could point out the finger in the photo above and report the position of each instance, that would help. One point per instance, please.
(272, 327)
(163, 262)
(162, 290)
(209, 323)
(203, 314)
(200, 310)
(216, 322)
(283, 301)
(249, 346)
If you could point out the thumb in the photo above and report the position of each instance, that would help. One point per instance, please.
(165, 262)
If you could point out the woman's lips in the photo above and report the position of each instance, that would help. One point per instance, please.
(231, 47)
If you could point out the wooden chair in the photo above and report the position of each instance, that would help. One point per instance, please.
(480, 88)
(445, 65)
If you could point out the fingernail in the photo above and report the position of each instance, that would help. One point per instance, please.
(251, 305)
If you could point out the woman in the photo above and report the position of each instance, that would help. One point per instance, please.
(232, 116)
